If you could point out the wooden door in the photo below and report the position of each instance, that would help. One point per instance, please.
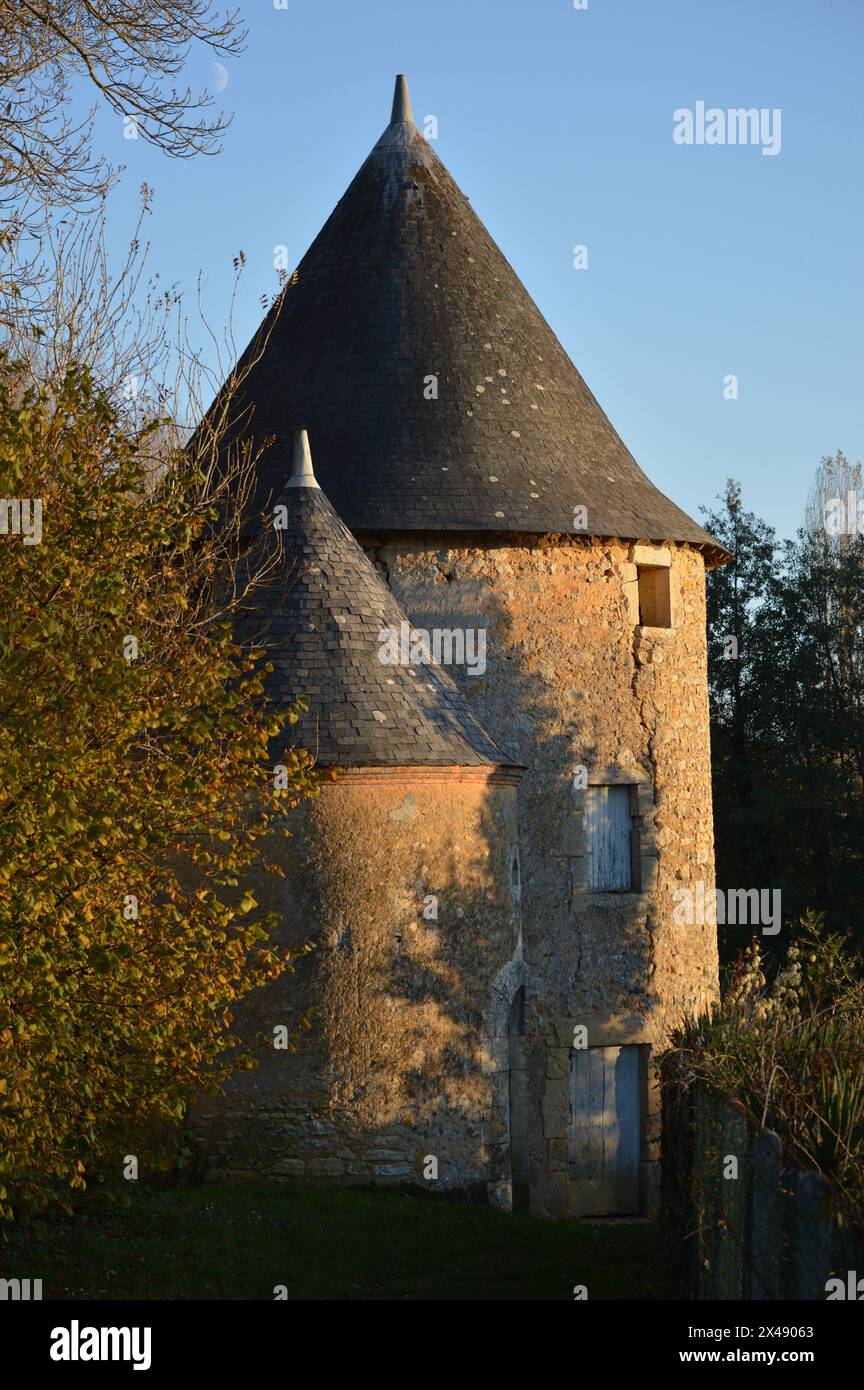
(605, 1130)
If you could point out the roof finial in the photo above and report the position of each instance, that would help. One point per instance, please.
(302, 474)
(402, 102)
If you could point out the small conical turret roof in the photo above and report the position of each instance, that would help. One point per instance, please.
(321, 613)
(438, 396)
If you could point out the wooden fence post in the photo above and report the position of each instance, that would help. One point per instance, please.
(708, 1181)
(732, 1194)
(762, 1277)
(811, 1221)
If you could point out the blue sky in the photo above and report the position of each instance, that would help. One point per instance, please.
(703, 261)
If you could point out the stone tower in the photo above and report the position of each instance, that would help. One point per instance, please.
(463, 450)
(404, 873)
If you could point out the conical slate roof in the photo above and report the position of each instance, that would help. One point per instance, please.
(320, 615)
(404, 283)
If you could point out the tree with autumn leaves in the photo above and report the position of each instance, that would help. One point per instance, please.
(137, 795)
(137, 798)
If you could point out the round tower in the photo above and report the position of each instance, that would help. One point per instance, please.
(402, 872)
(465, 452)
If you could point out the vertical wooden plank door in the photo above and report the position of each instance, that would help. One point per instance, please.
(605, 1109)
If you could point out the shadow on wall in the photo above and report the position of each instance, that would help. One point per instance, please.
(423, 1057)
(403, 877)
(558, 696)
(564, 694)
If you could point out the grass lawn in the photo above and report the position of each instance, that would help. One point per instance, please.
(239, 1242)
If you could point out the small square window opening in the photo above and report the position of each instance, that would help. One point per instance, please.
(655, 608)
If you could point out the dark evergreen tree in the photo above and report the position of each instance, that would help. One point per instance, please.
(786, 681)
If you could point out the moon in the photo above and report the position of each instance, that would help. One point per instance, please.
(220, 77)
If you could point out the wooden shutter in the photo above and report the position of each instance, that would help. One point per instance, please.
(609, 827)
(605, 1113)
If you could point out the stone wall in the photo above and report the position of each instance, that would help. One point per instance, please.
(574, 682)
(403, 880)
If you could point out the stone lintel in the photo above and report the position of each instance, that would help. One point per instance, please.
(604, 1030)
(658, 556)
